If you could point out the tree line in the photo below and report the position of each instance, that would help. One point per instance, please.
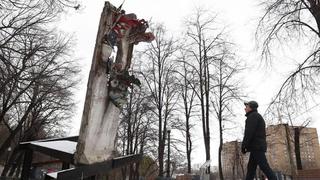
(38, 76)
(205, 70)
(186, 79)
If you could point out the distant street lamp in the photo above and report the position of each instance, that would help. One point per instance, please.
(168, 162)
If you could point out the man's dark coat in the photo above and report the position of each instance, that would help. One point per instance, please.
(255, 133)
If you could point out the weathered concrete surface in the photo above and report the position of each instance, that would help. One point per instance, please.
(100, 117)
(104, 99)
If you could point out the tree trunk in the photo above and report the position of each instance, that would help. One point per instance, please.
(220, 119)
(7, 143)
(16, 166)
(220, 150)
(207, 98)
(161, 128)
(293, 169)
(189, 146)
(161, 147)
(297, 147)
(10, 162)
(161, 154)
(204, 106)
(187, 111)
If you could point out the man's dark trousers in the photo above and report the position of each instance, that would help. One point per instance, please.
(259, 158)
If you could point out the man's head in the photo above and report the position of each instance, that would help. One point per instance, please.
(251, 105)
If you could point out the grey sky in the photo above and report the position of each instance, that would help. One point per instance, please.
(240, 18)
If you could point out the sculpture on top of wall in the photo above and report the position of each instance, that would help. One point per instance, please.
(108, 83)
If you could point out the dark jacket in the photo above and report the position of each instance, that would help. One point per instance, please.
(255, 133)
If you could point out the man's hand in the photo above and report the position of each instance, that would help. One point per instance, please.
(243, 149)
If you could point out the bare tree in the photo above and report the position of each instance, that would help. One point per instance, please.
(37, 74)
(136, 133)
(227, 91)
(206, 45)
(187, 93)
(56, 5)
(158, 76)
(289, 21)
(197, 26)
(296, 21)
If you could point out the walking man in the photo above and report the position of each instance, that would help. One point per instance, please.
(254, 141)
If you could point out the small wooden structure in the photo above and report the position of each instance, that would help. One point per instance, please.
(64, 149)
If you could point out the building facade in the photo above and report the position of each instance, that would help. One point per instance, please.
(234, 163)
(281, 154)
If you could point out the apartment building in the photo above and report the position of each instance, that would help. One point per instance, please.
(234, 163)
(281, 154)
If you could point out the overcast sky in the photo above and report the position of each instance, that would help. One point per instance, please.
(240, 18)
